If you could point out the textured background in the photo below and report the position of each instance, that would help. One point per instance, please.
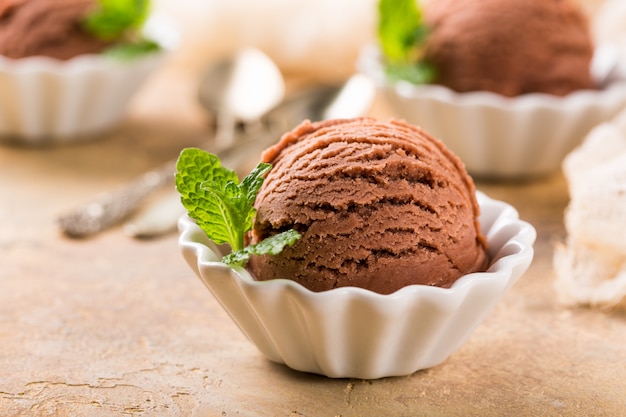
(112, 326)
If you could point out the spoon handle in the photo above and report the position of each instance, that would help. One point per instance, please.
(110, 208)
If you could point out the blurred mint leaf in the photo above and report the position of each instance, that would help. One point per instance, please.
(402, 34)
(420, 73)
(222, 206)
(128, 51)
(111, 19)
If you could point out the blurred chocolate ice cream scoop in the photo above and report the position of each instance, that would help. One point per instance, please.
(46, 27)
(509, 47)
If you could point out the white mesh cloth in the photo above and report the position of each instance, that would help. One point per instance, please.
(591, 265)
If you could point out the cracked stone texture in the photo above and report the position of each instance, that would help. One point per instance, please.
(111, 326)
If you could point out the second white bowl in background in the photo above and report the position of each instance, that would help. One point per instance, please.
(495, 136)
(45, 100)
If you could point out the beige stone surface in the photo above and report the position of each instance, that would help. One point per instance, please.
(112, 326)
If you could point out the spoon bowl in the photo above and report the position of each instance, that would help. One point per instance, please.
(349, 99)
(240, 89)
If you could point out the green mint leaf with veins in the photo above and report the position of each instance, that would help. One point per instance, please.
(222, 206)
(401, 34)
(272, 245)
(214, 198)
(112, 19)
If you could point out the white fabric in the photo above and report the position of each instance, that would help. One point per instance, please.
(591, 265)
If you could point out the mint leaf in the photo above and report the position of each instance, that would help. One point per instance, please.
(209, 193)
(111, 19)
(222, 206)
(398, 27)
(421, 73)
(249, 189)
(272, 245)
(128, 51)
(401, 34)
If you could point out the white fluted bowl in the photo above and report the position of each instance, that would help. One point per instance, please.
(355, 333)
(495, 136)
(44, 100)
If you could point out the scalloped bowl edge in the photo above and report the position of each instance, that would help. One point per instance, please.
(355, 333)
(45, 100)
(495, 136)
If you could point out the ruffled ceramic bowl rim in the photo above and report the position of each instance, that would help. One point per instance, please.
(460, 308)
(192, 237)
(48, 101)
(496, 136)
(157, 28)
(371, 65)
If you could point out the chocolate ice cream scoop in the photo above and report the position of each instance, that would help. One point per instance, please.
(46, 27)
(509, 47)
(380, 205)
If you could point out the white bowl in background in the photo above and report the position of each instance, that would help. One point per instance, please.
(44, 100)
(499, 137)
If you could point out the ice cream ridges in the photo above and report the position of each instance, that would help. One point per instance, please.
(509, 47)
(380, 205)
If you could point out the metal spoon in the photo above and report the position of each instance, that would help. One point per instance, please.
(240, 88)
(347, 100)
(607, 65)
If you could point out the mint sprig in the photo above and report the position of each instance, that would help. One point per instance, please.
(127, 51)
(402, 34)
(111, 19)
(119, 22)
(222, 206)
(272, 245)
